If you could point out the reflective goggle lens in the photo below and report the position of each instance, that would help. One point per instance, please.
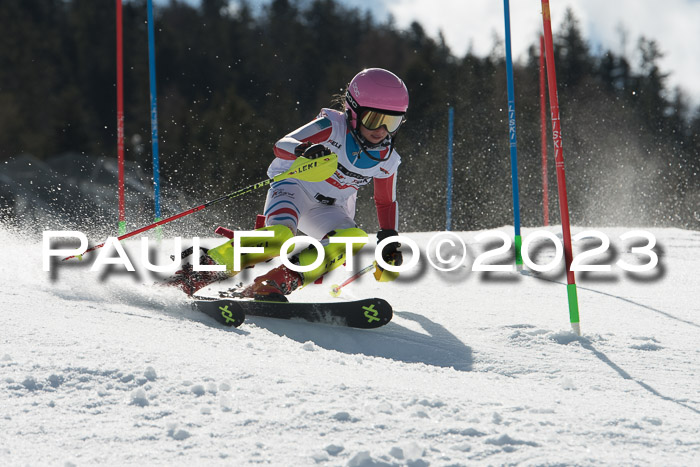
(372, 120)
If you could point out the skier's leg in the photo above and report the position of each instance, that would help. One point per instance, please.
(223, 254)
(190, 281)
(285, 202)
(334, 254)
(282, 280)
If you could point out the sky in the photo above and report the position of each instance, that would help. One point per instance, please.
(673, 24)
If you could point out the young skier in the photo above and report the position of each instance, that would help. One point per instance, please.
(363, 137)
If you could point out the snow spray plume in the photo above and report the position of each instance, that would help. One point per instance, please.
(315, 170)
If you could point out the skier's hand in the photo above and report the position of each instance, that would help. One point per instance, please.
(390, 254)
(311, 151)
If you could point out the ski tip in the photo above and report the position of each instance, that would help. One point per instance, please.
(377, 313)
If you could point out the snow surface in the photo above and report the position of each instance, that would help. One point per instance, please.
(475, 369)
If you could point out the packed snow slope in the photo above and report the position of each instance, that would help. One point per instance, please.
(477, 368)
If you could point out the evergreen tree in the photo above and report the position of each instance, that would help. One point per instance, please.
(231, 83)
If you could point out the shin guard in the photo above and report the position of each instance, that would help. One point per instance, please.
(223, 254)
(334, 253)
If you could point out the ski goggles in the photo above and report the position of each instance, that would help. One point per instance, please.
(374, 119)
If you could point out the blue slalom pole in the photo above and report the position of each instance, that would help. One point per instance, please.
(513, 142)
(154, 109)
(450, 127)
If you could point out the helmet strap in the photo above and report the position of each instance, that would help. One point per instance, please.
(361, 142)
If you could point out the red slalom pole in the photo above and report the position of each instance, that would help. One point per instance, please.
(120, 118)
(543, 124)
(561, 176)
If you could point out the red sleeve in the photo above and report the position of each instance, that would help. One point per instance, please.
(317, 131)
(385, 200)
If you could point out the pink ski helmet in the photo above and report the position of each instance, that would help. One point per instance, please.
(378, 97)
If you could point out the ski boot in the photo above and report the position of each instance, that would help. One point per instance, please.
(190, 281)
(282, 280)
(274, 285)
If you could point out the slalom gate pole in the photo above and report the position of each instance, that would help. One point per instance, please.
(561, 176)
(543, 125)
(313, 170)
(450, 128)
(513, 141)
(154, 110)
(120, 118)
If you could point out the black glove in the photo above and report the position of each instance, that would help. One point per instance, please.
(390, 253)
(311, 151)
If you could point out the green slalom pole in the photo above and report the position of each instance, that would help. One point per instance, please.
(573, 308)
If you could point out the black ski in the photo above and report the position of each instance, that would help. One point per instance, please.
(223, 312)
(366, 314)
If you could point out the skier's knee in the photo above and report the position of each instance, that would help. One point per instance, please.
(334, 252)
(223, 254)
(288, 223)
(352, 232)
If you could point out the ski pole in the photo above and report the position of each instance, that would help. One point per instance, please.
(335, 290)
(310, 170)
